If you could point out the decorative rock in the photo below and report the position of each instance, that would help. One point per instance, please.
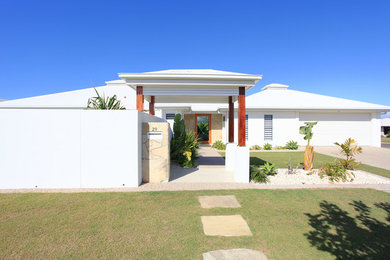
(228, 201)
(235, 254)
(228, 226)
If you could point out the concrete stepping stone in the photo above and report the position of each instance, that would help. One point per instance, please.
(228, 201)
(235, 254)
(227, 226)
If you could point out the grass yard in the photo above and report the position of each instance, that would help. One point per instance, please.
(286, 224)
(280, 159)
(386, 140)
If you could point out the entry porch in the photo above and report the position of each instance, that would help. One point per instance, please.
(202, 86)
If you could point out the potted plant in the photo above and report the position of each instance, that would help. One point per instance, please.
(306, 130)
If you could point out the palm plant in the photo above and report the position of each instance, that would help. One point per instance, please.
(306, 130)
(104, 103)
(349, 149)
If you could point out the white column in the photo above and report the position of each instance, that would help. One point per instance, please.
(230, 156)
(241, 173)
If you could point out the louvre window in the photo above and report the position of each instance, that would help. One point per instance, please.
(170, 116)
(246, 127)
(268, 129)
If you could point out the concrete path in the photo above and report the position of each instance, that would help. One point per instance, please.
(374, 156)
(203, 174)
(211, 168)
(208, 157)
(232, 254)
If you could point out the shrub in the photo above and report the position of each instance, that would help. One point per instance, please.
(219, 145)
(291, 145)
(184, 144)
(267, 146)
(189, 151)
(257, 175)
(104, 103)
(349, 149)
(255, 147)
(336, 172)
(268, 169)
(388, 135)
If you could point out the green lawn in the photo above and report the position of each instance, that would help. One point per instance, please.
(386, 140)
(286, 224)
(280, 159)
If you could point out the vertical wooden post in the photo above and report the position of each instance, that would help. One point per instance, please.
(231, 120)
(140, 98)
(151, 106)
(241, 116)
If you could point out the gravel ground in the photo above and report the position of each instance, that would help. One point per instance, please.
(301, 177)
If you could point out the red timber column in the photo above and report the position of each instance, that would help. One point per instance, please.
(151, 106)
(241, 116)
(231, 120)
(140, 98)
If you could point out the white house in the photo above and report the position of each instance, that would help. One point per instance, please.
(273, 115)
(52, 141)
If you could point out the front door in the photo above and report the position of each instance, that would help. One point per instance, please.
(203, 127)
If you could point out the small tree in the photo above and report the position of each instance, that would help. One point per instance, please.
(349, 149)
(104, 103)
(306, 130)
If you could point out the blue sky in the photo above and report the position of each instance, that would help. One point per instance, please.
(337, 48)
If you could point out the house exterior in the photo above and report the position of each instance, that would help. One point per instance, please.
(273, 115)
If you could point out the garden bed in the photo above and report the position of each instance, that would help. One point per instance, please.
(302, 177)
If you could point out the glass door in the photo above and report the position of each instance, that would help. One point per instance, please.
(203, 122)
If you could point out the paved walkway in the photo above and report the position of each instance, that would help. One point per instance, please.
(211, 169)
(374, 156)
(209, 157)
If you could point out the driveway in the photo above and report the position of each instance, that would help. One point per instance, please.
(374, 156)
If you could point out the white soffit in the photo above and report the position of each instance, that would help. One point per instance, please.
(190, 79)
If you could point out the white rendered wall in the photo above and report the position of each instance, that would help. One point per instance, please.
(54, 148)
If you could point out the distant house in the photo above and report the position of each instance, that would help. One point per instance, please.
(385, 128)
(273, 115)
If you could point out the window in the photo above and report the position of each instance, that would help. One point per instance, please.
(268, 127)
(170, 116)
(246, 127)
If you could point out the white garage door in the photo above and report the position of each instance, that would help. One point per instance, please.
(336, 127)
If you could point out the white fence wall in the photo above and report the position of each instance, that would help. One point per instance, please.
(55, 148)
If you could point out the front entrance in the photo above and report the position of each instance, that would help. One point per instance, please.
(203, 127)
